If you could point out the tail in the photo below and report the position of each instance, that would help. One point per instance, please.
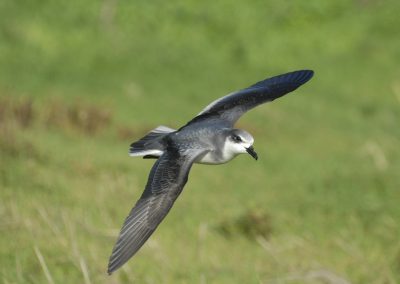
(149, 146)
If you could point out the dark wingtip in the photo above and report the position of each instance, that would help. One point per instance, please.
(111, 269)
(291, 81)
(112, 266)
(309, 74)
(296, 78)
(302, 76)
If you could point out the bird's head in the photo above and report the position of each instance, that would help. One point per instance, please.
(239, 142)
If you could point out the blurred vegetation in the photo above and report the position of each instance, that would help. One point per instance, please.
(79, 81)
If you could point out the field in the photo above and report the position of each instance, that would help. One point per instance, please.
(80, 81)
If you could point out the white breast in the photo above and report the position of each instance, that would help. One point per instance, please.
(211, 158)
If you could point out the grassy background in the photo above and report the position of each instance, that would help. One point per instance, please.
(80, 80)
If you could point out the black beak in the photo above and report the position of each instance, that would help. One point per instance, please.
(252, 153)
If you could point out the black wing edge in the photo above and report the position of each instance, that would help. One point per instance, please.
(297, 78)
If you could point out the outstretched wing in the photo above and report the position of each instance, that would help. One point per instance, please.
(166, 181)
(234, 105)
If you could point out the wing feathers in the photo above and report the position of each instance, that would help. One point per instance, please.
(166, 181)
(232, 106)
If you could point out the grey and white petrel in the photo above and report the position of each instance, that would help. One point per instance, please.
(209, 138)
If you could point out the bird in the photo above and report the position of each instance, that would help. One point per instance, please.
(209, 138)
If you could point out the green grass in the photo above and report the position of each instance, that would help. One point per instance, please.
(80, 81)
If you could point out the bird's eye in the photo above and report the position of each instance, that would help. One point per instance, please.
(236, 138)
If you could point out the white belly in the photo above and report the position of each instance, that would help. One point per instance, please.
(212, 159)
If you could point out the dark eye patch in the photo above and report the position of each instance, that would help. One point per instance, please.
(236, 138)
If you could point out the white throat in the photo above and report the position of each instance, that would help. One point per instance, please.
(229, 151)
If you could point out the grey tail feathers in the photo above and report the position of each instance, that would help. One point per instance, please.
(149, 146)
